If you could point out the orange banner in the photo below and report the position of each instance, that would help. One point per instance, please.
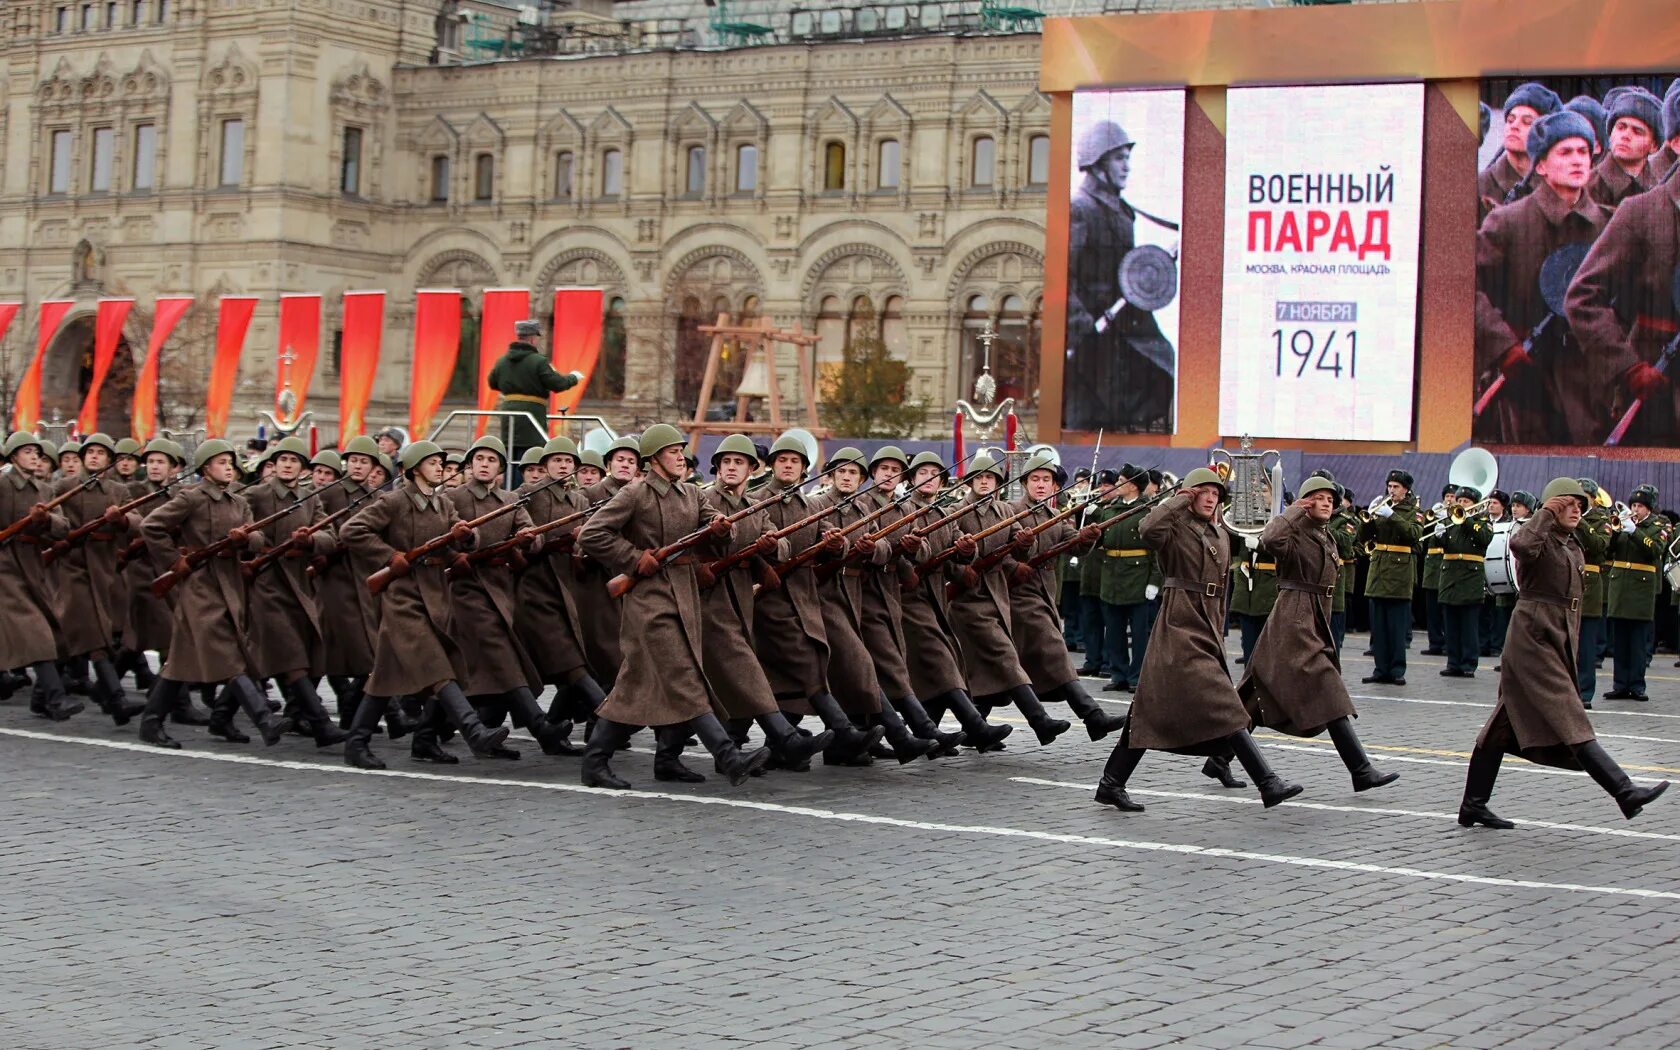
(164, 319)
(358, 360)
(107, 331)
(437, 342)
(502, 307)
(26, 406)
(300, 346)
(7, 312)
(578, 313)
(233, 321)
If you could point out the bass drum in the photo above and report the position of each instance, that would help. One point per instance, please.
(1501, 567)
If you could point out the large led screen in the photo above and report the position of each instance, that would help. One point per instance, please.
(1121, 372)
(1323, 190)
(1578, 262)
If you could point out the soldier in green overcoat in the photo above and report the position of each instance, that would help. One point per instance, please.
(1393, 533)
(1636, 552)
(525, 379)
(1593, 534)
(1464, 543)
(1091, 622)
(1434, 618)
(1127, 567)
(1344, 529)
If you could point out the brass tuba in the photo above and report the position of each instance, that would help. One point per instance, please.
(1250, 506)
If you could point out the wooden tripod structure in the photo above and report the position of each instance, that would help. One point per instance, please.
(760, 338)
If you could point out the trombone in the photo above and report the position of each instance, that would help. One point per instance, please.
(1441, 513)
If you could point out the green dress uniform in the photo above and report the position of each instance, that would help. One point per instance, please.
(1463, 585)
(1632, 604)
(1092, 626)
(525, 379)
(1593, 534)
(1344, 529)
(1253, 592)
(1434, 620)
(1388, 584)
(1128, 570)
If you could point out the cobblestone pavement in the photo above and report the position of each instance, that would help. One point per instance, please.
(241, 896)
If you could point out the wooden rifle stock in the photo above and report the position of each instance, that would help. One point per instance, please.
(1052, 553)
(289, 544)
(17, 527)
(621, 584)
(81, 532)
(991, 560)
(524, 538)
(382, 577)
(166, 583)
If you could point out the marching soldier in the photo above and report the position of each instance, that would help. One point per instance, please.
(591, 468)
(349, 614)
(147, 619)
(1435, 618)
(1185, 702)
(1634, 120)
(1464, 547)
(30, 635)
(589, 583)
(1539, 715)
(525, 379)
(1128, 587)
(530, 466)
(1393, 532)
(70, 459)
(1636, 550)
(127, 460)
(1293, 684)
(662, 683)
(1593, 536)
(1498, 182)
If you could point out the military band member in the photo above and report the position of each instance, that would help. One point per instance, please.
(1393, 532)
(1344, 529)
(1254, 588)
(1539, 715)
(1464, 545)
(30, 635)
(1128, 582)
(662, 683)
(1593, 536)
(1185, 701)
(1636, 552)
(1293, 683)
(1523, 107)
(1434, 617)
(1634, 122)
(1093, 618)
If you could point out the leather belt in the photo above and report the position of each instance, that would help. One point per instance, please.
(1463, 557)
(1392, 548)
(1323, 590)
(1138, 552)
(1206, 590)
(534, 399)
(1637, 566)
(851, 571)
(1432, 550)
(1265, 566)
(1592, 568)
(1550, 599)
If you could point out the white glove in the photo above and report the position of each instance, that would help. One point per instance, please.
(575, 376)
(1073, 562)
(1252, 541)
(1441, 529)
(1384, 511)
(1150, 592)
(1628, 526)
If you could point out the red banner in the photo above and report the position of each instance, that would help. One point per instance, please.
(437, 342)
(164, 318)
(107, 331)
(578, 313)
(7, 312)
(26, 407)
(300, 345)
(233, 321)
(502, 307)
(358, 360)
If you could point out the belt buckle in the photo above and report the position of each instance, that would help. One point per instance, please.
(1212, 590)
(1574, 604)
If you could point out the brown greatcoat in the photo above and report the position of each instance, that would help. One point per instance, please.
(980, 614)
(413, 651)
(1293, 682)
(1545, 403)
(285, 625)
(146, 619)
(1539, 713)
(1661, 161)
(1621, 306)
(546, 614)
(600, 614)
(482, 615)
(88, 607)
(881, 621)
(851, 666)
(208, 635)
(29, 630)
(1493, 183)
(1033, 610)
(1610, 185)
(661, 681)
(930, 643)
(349, 615)
(787, 620)
(728, 659)
(1185, 700)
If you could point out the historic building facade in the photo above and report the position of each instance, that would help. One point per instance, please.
(890, 189)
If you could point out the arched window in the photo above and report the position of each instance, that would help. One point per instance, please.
(831, 331)
(612, 173)
(695, 182)
(563, 175)
(746, 169)
(440, 180)
(692, 347)
(860, 321)
(484, 177)
(893, 333)
(1038, 160)
(887, 165)
(834, 166)
(982, 162)
(608, 380)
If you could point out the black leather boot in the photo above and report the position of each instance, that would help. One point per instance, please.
(922, 724)
(142, 670)
(251, 698)
(1609, 776)
(1478, 788)
(223, 706)
(348, 693)
(48, 698)
(424, 745)
(400, 720)
(1219, 768)
(1098, 722)
(605, 739)
(849, 741)
(356, 747)
(159, 702)
(979, 734)
(669, 742)
(485, 743)
(791, 748)
(1273, 788)
(185, 712)
(728, 759)
(1047, 728)
(1111, 789)
(554, 738)
(906, 746)
(107, 691)
(1365, 775)
(312, 714)
(77, 680)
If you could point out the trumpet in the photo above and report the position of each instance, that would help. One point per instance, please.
(1379, 503)
(1441, 513)
(1622, 513)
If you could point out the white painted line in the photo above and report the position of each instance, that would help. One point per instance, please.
(1512, 763)
(1241, 800)
(1185, 849)
(1595, 712)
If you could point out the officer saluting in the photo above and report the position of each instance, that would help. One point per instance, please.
(524, 378)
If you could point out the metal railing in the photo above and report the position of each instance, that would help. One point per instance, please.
(509, 420)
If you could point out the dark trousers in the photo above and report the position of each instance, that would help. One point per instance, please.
(1463, 623)
(1604, 637)
(1070, 609)
(1390, 620)
(1251, 627)
(1091, 629)
(1128, 629)
(1434, 619)
(1338, 628)
(1630, 644)
(1500, 615)
(1586, 656)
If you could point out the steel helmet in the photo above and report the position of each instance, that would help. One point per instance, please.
(330, 459)
(22, 439)
(128, 447)
(741, 445)
(791, 443)
(166, 447)
(984, 464)
(488, 443)
(889, 452)
(591, 458)
(1204, 476)
(849, 454)
(660, 436)
(416, 453)
(98, 441)
(293, 446)
(209, 450)
(558, 446)
(1565, 487)
(1099, 140)
(362, 445)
